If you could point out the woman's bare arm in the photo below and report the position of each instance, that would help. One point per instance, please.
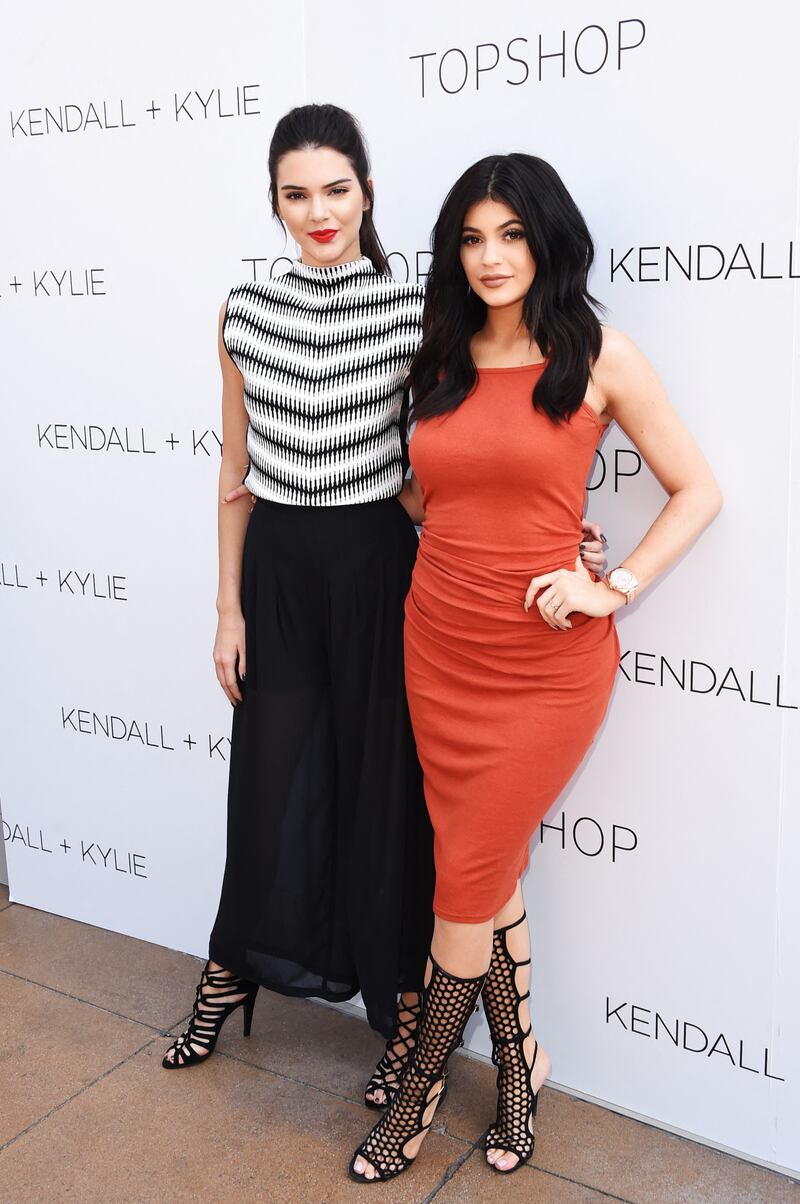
(636, 399)
(626, 388)
(229, 647)
(410, 498)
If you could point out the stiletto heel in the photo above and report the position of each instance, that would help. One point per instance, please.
(247, 1012)
(517, 1102)
(212, 1007)
(447, 1004)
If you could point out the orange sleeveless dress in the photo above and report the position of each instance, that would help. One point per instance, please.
(503, 707)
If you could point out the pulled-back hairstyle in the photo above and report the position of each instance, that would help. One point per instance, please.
(557, 310)
(310, 126)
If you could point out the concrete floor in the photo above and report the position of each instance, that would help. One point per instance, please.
(88, 1115)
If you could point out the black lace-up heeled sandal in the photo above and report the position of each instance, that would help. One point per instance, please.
(212, 1007)
(447, 1004)
(517, 1101)
(389, 1071)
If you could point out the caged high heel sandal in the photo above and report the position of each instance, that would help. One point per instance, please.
(389, 1071)
(447, 1004)
(517, 1101)
(213, 1004)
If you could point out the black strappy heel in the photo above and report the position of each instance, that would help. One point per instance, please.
(517, 1102)
(447, 1004)
(208, 1016)
(389, 1071)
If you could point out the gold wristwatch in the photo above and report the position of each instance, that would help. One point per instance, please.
(624, 582)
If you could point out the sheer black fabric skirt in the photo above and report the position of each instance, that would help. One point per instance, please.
(328, 881)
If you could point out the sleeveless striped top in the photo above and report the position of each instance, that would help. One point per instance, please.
(324, 353)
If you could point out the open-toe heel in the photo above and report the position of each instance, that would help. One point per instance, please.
(389, 1071)
(447, 1004)
(212, 1007)
(517, 1101)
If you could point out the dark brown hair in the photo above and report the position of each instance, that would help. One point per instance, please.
(311, 126)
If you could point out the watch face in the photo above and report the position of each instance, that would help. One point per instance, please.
(622, 579)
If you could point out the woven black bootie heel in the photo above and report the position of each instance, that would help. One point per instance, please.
(447, 1004)
(516, 1105)
(212, 1007)
(389, 1071)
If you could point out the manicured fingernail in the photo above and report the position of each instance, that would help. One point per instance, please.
(602, 536)
(583, 555)
(581, 546)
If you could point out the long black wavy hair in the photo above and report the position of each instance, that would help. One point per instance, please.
(310, 126)
(558, 310)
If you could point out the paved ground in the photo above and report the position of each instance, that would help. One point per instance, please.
(88, 1115)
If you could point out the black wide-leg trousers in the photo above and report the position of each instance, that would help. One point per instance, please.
(328, 880)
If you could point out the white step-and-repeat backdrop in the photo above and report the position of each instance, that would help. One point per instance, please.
(664, 895)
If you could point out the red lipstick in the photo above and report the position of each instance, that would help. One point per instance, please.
(323, 235)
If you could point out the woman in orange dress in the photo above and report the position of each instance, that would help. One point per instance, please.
(510, 643)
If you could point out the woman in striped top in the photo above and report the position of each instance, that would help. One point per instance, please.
(329, 872)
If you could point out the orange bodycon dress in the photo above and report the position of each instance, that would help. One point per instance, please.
(503, 707)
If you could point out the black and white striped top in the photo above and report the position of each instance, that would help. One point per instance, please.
(324, 352)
